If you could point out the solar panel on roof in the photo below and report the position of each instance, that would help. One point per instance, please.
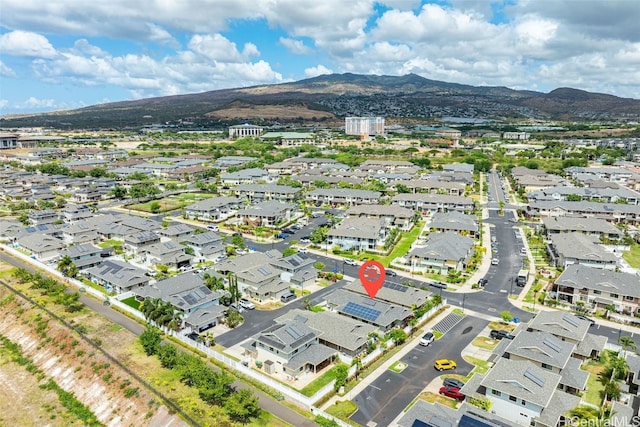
(294, 332)
(361, 311)
(537, 379)
(552, 344)
(294, 262)
(189, 299)
(264, 271)
(395, 286)
(570, 319)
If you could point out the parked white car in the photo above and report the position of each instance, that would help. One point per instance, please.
(245, 303)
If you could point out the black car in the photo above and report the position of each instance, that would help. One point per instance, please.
(452, 382)
(438, 285)
(498, 334)
(391, 273)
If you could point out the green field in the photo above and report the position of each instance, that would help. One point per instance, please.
(632, 256)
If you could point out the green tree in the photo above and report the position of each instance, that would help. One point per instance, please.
(242, 406)
(24, 219)
(154, 207)
(341, 375)
(319, 235)
(150, 340)
(70, 301)
(398, 335)
(119, 192)
(238, 241)
(67, 267)
(213, 282)
(318, 265)
(627, 342)
(168, 355)
(289, 251)
(506, 316)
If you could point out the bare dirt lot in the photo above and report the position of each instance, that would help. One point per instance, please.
(59, 353)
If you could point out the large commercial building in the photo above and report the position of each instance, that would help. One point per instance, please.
(364, 126)
(245, 130)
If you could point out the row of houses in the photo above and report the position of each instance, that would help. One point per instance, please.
(306, 341)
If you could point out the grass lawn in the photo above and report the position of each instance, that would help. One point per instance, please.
(324, 379)
(401, 248)
(484, 342)
(398, 366)
(632, 256)
(342, 409)
(166, 205)
(110, 243)
(432, 398)
(132, 302)
(192, 197)
(482, 366)
(595, 388)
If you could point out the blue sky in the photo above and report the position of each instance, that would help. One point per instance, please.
(67, 54)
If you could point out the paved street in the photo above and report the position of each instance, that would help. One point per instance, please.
(390, 393)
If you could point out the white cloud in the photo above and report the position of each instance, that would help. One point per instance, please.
(218, 48)
(4, 103)
(6, 71)
(24, 43)
(213, 63)
(295, 46)
(317, 71)
(33, 102)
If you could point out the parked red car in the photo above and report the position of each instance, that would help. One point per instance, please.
(452, 392)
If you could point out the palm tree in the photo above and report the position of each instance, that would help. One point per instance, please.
(214, 283)
(627, 342)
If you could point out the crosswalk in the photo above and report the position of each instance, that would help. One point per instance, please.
(446, 324)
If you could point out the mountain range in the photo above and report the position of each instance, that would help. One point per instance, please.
(329, 98)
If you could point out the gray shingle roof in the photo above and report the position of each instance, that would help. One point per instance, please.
(560, 324)
(519, 378)
(541, 347)
(445, 246)
(584, 224)
(454, 220)
(582, 276)
(581, 247)
(356, 227)
(287, 337)
(394, 293)
(336, 329)
(119, 273)
(375, 312)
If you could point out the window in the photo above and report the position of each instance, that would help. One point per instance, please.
(523, 402)
(614, 295)
(513, 398)
(495, 392)
(628, 298)
(548, 367)
(597, 292)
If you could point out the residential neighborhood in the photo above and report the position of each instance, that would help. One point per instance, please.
(258, 264)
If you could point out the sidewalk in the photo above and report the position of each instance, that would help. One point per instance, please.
(366, 381)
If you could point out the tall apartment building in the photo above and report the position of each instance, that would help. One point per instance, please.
(364, 125)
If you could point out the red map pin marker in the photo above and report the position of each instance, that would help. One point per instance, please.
(372, 277)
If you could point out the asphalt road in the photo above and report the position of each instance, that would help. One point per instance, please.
(389, 394)
(256, 321)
